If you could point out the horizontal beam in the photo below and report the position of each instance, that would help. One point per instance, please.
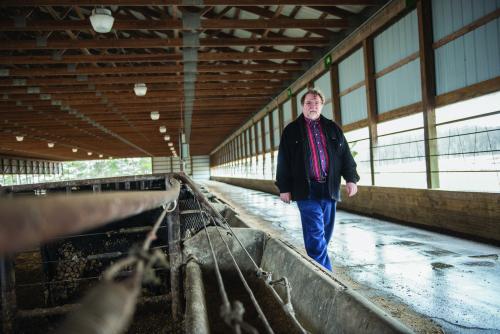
(152, 58)
(34, 72)
(120, 24)
(172, 87)
(31, 3)
(137, 43)
(145, 79)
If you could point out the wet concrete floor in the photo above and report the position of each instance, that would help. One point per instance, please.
(431, 282)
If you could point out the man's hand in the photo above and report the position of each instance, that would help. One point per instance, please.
(351, 189)
(286, 197)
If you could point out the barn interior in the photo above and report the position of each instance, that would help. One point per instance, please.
(201, 91)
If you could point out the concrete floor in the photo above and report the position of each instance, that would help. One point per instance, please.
(431, 282)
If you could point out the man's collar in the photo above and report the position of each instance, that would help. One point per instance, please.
(311, 121)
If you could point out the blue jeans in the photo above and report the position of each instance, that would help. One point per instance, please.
(318, 217)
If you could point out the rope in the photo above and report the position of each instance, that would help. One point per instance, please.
(234, 316)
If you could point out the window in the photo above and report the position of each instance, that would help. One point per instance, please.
(399, 155)
(468, 144)
(359, 143)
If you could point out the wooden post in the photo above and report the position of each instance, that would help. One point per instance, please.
(334, 79)
(371, 99)
(8, 295)
(427, 77)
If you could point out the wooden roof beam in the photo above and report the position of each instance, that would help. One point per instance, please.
(207, 24)
(31, 3)
(45, 72)
(137, 43)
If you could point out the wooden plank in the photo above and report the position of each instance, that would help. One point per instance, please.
(35, 72)
(461, 94)
(468, 28)
(371, 99)
(356, 125)
(428, 86)
(334, 79)
(151, 58)
(400, 112)
(397, 65)
(121, 24)
(135, 43)
(352, 88)
(31, 3)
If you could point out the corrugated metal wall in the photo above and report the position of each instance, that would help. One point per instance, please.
(201, 167)
(323, 83)
(473, 57)
(396, 42)
(400, 87)
(353, 106)
(352, 71)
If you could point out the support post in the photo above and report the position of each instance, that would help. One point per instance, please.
(371, 98)
(427, 78)
(8, 294)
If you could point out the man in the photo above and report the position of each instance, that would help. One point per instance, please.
(312, 156)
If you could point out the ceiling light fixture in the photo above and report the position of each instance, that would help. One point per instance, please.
(170, 144)
(140, 89)
(155, 115)
(110, 158)
(172, 149)
(163, 129)
(100, 155)
(167, 138)
(89, 153)
(102, 20)
(74, 150)
(19, 138)
(50, 145)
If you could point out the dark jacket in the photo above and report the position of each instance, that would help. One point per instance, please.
(292, 173)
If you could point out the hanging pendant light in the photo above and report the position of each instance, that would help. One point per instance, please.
(74, 150)
(102, 20)
(167, 138)
(170, 144)
(50, 145)
(89, 153)
(140, 89)
(163, 129)
(100, 155)
(155, 115)
(19, 138)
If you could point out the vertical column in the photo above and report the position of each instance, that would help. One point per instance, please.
(427, 76)
(334, 79)
(175, 257)
(371, 99)
(295, 106)
(263, 144)
(8, 294)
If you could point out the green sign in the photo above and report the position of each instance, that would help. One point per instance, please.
(289, 91)
(328, 61)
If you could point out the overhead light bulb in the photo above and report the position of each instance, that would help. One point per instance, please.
(167, 138)
(163, 129)
(89, 153)
(170, 144)
(50, 145)
(74, 150)
(100, 155)
(102, 20)
(172, 149)
(140, 89)
(110, 158)
(155, 115)
(19, 138)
